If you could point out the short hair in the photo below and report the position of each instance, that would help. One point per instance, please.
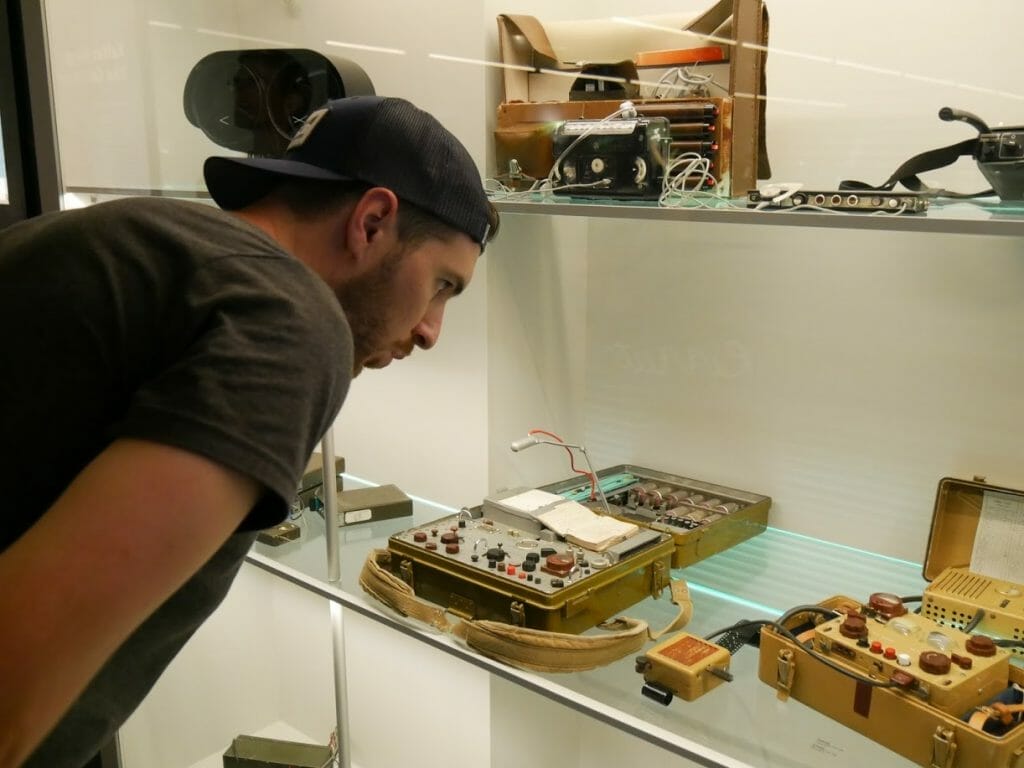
(313, 198)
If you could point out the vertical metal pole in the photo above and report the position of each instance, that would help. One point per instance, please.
(330, 486)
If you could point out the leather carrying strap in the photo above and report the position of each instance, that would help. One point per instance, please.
(533, 649)
(906, 174)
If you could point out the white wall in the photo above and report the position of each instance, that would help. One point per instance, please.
(261, 665)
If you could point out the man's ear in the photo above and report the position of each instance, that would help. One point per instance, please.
(373, 224)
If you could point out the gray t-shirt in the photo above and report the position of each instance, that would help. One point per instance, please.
(172, 322)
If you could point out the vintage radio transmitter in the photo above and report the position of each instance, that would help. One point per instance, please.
(938, 696)
(503, 561)
(702, 518)
(697, 126)
(619, 157)
(969, 585)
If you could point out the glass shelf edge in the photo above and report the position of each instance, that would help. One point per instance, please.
(651, 734)
(923, 223)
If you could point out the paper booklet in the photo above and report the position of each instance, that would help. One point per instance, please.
(579, 525)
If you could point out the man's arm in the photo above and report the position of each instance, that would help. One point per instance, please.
(128, 532)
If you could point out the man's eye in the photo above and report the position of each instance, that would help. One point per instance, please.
(444, 286)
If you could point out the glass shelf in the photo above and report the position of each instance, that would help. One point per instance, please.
(949, 217)
(741, 724)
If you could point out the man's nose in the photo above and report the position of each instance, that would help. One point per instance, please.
(428, 330)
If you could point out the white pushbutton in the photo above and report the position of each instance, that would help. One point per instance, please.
(903, 659)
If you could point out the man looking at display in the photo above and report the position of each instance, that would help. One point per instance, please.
(168, 370)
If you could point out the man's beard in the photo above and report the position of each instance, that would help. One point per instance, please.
(366, 301)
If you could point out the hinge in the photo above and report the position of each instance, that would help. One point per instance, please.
(943, 748)
(405, 571)
(785, 673)
(518, 612)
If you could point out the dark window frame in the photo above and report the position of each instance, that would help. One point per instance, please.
(26, 113)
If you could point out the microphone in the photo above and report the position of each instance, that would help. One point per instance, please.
(531, 440)
(523, 443)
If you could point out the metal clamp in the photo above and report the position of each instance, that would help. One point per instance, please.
(943, 748)
(785, 673)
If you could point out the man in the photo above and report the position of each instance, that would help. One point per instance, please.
(168, 369)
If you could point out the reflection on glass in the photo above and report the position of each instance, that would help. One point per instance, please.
(3, 169)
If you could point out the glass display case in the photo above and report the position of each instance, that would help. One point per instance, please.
(840, 362)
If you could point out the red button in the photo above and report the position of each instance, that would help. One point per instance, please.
(511, 570)
(876, 646)
(890, 653)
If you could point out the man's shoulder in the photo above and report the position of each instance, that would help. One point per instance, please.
(196, 227)
(159, 209)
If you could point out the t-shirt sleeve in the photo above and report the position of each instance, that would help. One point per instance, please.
(258, 362)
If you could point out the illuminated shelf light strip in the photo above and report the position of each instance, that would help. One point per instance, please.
(844, 547)
(719, 595)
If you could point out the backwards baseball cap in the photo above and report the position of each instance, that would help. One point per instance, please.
(385, 142)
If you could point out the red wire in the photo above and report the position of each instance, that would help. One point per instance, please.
(572, 460)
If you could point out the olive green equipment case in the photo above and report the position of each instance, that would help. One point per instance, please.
(549, 600)
(702, 518)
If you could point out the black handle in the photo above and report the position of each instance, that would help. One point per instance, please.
(949, 114)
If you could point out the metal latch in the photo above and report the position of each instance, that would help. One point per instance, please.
(405, 571)
(943, 748)
(785, 673)
(518, 612)
(659, 578)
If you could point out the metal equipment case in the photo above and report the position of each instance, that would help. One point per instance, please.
(477, 566)
(736, 516)
(925, 717)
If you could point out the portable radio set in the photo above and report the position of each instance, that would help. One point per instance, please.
(617, 158)
(943, 687)
(529, 572)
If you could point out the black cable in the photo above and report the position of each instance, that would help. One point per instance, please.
(778, 627)
(969, 626)
(738, 625)
(1009, 643)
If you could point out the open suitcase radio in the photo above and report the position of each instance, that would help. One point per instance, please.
(945, 687)
(702, 518)
(960, 590)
